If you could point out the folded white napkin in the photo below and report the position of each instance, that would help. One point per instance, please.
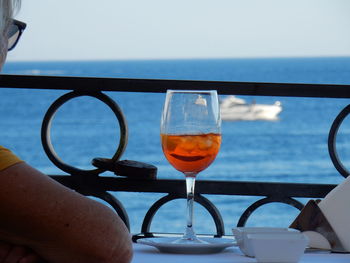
(336, 208)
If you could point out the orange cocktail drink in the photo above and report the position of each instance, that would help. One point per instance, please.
(191, 153)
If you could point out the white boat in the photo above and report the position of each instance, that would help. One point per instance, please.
(236, 109)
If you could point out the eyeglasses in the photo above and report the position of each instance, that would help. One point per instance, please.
(14, 33)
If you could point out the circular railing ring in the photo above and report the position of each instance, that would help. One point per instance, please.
(46, 127)
(206, 203)
(248, 212)
(332, 148)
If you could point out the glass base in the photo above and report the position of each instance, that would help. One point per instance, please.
(184, 240)
(189, 237)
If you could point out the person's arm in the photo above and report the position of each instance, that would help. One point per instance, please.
(59, 224)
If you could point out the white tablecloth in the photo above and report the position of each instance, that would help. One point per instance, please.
(147, 254)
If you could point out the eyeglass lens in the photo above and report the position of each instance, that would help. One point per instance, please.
(13, 38)
(14, 33)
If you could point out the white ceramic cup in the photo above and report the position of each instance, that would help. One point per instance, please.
(278, 247)
(240, 234)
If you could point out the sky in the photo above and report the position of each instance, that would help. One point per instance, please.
(182, 29)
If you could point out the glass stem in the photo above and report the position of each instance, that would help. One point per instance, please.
(190, 183)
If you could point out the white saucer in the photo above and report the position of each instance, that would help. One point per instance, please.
(166, 245)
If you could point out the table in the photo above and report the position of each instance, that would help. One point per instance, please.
(145, 254)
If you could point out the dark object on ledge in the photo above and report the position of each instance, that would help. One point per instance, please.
(127, 168)
(311, 218)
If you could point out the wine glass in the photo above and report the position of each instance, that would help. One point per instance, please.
(191, 137)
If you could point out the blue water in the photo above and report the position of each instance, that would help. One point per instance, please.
(293, 149)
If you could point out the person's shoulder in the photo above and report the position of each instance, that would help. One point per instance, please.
(2, 148)
(7, 158)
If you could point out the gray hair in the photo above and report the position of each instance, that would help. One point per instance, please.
(7, 10)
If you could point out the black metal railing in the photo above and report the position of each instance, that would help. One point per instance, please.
(90, 182)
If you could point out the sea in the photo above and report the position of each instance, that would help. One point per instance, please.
(290, 149)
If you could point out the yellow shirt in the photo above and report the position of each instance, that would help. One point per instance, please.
(7, 158)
